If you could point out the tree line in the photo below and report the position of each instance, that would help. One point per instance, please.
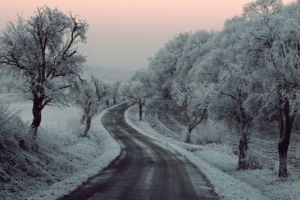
(246, 74)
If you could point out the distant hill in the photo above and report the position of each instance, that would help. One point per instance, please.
(109, 75)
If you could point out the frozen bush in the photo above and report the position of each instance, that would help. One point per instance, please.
(13, 132)
(210, 131)
(254, 159)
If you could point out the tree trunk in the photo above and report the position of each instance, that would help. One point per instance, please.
(87, 126)
(243, 147)
(282, 150)
(188, 135)
(37, 116)
(107, 102)
(285, 135)
(141, 110)
(115, 101)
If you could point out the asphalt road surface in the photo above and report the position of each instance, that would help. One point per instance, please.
(145, 170)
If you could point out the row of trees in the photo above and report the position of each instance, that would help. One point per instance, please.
(93, 96)
(247, 74)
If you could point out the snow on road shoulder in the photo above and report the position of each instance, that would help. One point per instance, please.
(226, 186)
(110, 149)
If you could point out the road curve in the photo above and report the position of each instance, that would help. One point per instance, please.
(144, 170)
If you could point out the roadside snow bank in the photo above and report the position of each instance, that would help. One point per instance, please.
(226, 186)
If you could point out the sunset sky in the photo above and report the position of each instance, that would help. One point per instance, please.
(125, 33)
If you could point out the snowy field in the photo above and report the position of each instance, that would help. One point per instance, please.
(219, 163)
(64, 159)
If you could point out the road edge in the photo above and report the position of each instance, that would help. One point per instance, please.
(69, 185)
(221, 181)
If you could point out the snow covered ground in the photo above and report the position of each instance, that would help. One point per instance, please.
(64, 159)
(219, 163)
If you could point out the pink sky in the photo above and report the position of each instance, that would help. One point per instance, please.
(125, 33)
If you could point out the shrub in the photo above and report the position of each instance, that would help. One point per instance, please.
(254, 159)
(210, 131)
(13, 132)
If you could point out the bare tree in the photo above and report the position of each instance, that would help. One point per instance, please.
(41, 52)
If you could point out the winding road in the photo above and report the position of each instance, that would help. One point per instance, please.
(145, 169)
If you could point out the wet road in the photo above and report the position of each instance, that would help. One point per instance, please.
(144, 170)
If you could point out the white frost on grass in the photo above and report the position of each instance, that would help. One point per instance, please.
(263, 147)
(93, 163)
(226, 186)
(65, 159)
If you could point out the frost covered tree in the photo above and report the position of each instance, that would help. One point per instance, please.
(41, 52)
(271, 54)
(209, 67)
(91, 96)
(147, 77)
(229, 105)
(139, 88)
(195, 49)
(279, 79)
(283, 70)
(114, 91)
(194, 99)
(165, 61)
(261, 6)
(222, 49)
(136, 93)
